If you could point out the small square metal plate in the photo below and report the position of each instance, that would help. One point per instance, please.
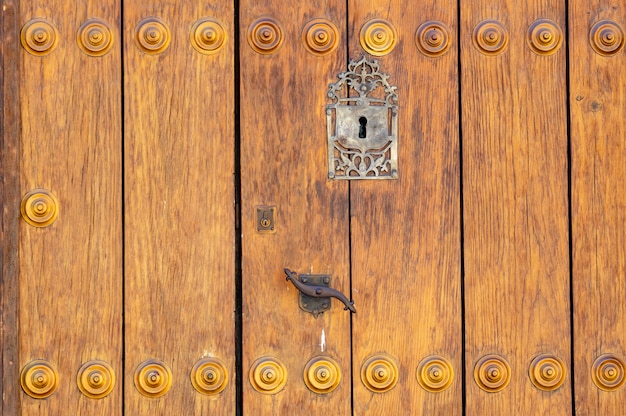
(265, 219)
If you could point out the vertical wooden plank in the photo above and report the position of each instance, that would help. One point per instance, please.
(179, 210)
(71, 271)
(515, 205)
(406, 232)
(597, 96)
(284, 165)
(10, 197)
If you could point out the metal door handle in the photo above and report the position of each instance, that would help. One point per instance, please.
(319, 291)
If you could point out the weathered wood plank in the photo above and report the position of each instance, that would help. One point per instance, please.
(597, 96)
(70, 277)
(284, 164)
(515, 184)
(179, 213)
(10, 197)
(406, 232)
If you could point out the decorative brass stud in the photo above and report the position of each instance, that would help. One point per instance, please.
(39, 379)
(490, 37)
(434, 373)
(153, 35)
(96, 379)
(492, 373)
(544, 37)
(378, 37)
(207, 36)
(39, 37)
(268, 375)
(94, 37)
(320, 37)
(39, 208)
(606, 37)
(607, 372)
(153, 378)
(547, 372)
(265, 35)
(322, 375)
(209, 376)
(379, 373)
(433, 38)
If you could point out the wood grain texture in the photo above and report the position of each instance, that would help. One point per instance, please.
(597, 94)
(179, 209)
(406, 233)
(10, 197)
(515, 207)
(71, 272)
(284, 164)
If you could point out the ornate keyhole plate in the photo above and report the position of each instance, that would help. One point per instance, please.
(362, 124)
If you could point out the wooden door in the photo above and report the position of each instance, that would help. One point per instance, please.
(165, 168)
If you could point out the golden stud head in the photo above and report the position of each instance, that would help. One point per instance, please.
(378, 37)
(268, 375)
(39, 379)
(209, 376)
(322, 375)
(433, 38)
(492, 373)
(379, 373)
(39, 208)
(39, 37)
(153, 378)
(207, 36)
(608, 372)
(544, 37)
(434, 373)
(490, 37)
(95, 38)
(606, 37)
(547, 372)
(152, 35)
(96, 379)
(265, 36)
(321, 37)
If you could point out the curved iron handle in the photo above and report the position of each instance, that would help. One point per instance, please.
(319, 291)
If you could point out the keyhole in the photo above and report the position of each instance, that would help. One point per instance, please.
(362, 128)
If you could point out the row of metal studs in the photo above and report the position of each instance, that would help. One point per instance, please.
(265, 35)
(96, 379)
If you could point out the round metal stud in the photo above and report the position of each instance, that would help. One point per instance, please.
(607, 372)
(322, 375)
(434, 373)
(433, 38)
(153, 35)
(268, 375)
(209, 376)
(39, 208)
(96, 379)
(490, 37)
(492, 373)
(153, 378)
(39, 37)
(379, 373)
(94, 37)
(320, 37)
(265, 36)
(547, 372)
(207, 36)
(39, 379)
(544, 37)
(378, 37)
(606, 37)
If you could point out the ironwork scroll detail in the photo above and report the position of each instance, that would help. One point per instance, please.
(362, 128)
